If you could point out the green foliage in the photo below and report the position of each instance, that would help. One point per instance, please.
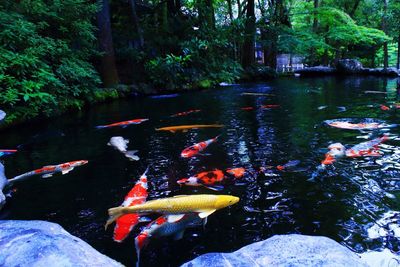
(45, 47)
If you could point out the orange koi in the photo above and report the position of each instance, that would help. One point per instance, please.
(186, 112)
(185, 128)
(197, 148)
(236, 172)
(48, 171)
(270, 106)
(126, 223)
(122, 123)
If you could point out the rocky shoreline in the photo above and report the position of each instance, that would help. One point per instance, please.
(348, 67)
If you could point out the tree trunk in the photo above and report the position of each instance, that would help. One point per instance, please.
(353, 10)
(230, 10)
(136, 23)
(248, 53)
(108, 69)
(206, 13)
(315, 19)
(385, 44)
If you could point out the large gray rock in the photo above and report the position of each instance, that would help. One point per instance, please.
(349, 66)
(45, 244)
(284, 250)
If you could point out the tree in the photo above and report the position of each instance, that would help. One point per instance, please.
(108, 68)
(248, 53)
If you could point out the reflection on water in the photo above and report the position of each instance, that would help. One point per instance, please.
(354, 201)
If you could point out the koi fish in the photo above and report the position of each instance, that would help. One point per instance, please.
(2, 115)
(236, 172)
(121, 144)
(4, 152)
(186, 112)
(164, 96)
(126, 223)
(206, 179)
(202, 204)
(166, 225)
(257, 94)
(3, 183)
(197, 148)
(289, 165)
(48, 171)
(209, 179)
(122, 123)
(185, 128)
(366, 149)
(336, 150)
(270, 106)
(385, 108)
(247, 108)
(358, 126)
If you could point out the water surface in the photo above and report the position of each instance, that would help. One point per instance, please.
(343, 203)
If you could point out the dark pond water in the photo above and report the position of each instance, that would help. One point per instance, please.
(343, 202)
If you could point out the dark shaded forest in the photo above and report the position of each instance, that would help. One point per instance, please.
(59, 55)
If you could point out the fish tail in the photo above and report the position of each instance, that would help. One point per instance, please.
(100, 127)
(218, 136)
(114, 214)
(145, 172)
(131, 154)
(20, 177)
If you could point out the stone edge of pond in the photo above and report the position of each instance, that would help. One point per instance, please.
(42, 243)
(295, 250)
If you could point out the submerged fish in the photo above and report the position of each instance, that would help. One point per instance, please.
(122, 123)
(137, 195)
(185, 128)
(166, 225)
(164, 96)
(358, 126)
(121, 144)
(385, 108)
(289, 165)
(236, 172)
(3, 183)
(48, 171)
(4, 152)
(257, 94)
(202, 204)
(2, 115)
(367, 149)
(247, 108)
(197, 148)
(270, 106)
(186, 112)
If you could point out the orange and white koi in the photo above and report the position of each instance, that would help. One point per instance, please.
(126, 223)
(197, 148)
(4, 152)
(186, 112)
(166, 225)
(211, 179)
(122, 123)
(289, 165)
(270, 106)
(185, 128)
(48, 171)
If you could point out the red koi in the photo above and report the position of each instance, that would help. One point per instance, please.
(126, 223)
(270, 106)
(385, 108)
(211, 179)
(236, 172)
(197, 148)
(122, 123)
(185, 112)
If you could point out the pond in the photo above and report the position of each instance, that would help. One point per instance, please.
(343, 202)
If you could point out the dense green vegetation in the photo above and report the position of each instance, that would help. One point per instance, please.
(55, 54)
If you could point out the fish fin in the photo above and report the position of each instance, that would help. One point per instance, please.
(144, 219)
(145, 172)
(206, 213)
(175, 218)
(179, 235)
(67, 170)
(131, 155)
(48, 175)
(214, 187)
(114, 214)
(100, 127)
